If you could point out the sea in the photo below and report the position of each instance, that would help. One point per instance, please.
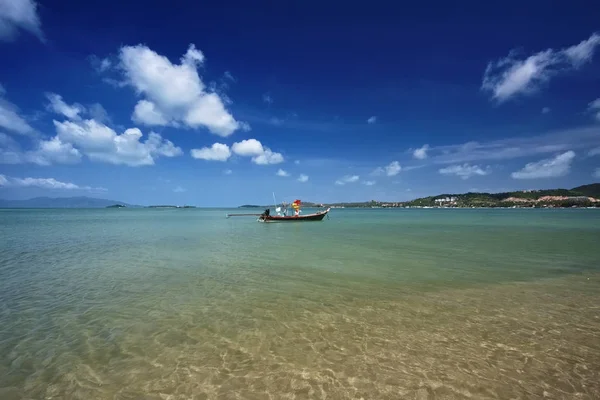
(366, 304)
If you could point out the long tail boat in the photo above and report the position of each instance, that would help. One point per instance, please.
(267, 217)
(283, 217)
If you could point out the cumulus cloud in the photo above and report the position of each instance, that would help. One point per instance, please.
(101, 143)
(268, 157)
(260, 155)
(392, 169)
(217, 152)
(46, 152)
(53, 151)
(248, 147)
(179, 189)
(557, 166)
(303, 178)
(282, 173)
(44, 183)
(421, 153)
(228, 172)
(347, 179)
(174, 94)
(512, 76)
(464, 171)
(372, 120)
(99, 113)
(58, 106)
(146, 112)
(597, 173)
(594, 152)
(369, 183)
(16, 15)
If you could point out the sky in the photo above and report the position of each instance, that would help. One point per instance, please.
(213, 104)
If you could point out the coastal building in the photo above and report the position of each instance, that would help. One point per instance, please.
(445, 200)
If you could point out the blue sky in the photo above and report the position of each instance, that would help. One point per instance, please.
(215, 105)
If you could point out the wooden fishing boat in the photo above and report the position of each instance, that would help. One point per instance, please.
(267, 217)
(282, 214)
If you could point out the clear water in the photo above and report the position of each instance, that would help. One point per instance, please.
(372, 304)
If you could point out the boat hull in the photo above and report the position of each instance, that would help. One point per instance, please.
(295, 218)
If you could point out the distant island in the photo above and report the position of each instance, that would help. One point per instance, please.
(75, 202)
(581, 196)
(63, 202)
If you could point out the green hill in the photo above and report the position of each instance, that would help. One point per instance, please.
(592, 190)
(524, 198)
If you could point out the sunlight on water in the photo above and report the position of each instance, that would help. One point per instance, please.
(384, 304)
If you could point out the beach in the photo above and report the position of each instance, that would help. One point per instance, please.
(368, 304)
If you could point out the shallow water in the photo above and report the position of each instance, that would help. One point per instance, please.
(372, 304)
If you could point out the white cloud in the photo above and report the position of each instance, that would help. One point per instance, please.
(545, 110)
(594, 108)
(421, 153)
(217, 152)
(369, 183)
(283, 173)
(58, 106)
(547, 168)
(511, 76)
(597, 173)
(297, 162)
(179, 189)
(303, 178)
(347, 179)
(228, 172)
(372, 120)
(523, 145)
(260, 155)
(244, 126)
(267, 98)
(248, 147)
(19, 14)
(53, 151)
(392, 169)
(268, 157)
(174, 94)
(97, 112)
(105, 64)
(594, 152)
(46, 152)
(100, 143)
(464, 171)
(146, 112)
(44, 183)
(10, 118)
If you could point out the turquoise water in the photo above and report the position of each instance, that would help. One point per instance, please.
(408, 303)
